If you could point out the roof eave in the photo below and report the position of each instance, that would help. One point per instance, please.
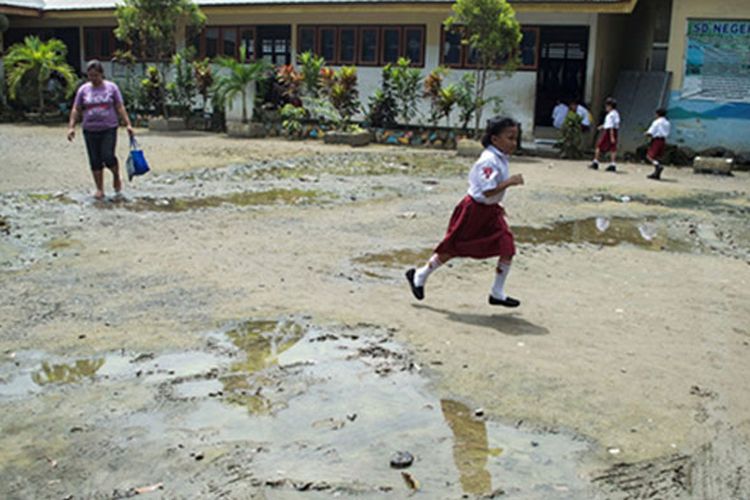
(11, 10)
(615, 7)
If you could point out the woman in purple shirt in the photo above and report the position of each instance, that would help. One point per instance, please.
(100, 102)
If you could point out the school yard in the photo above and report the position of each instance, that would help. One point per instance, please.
(188, 340)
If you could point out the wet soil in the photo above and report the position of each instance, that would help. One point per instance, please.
(238, 325)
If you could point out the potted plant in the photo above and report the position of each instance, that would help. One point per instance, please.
(40, 62)
(153, 89)
(236, 81)
(341, 89)
(182, 90)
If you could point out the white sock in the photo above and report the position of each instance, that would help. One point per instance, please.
(656, 163)
(498, 288)
(420, 277)
(595, 162)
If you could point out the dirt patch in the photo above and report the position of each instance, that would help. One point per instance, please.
(600, 325)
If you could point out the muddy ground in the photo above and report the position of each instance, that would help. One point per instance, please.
(239, 326)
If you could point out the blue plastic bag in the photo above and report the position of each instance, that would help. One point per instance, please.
(136, 164)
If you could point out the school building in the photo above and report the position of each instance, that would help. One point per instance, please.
(691, 56)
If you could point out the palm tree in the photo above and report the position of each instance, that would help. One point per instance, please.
(39, 60)
(236, 80)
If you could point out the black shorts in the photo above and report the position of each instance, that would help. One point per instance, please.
(100, 145)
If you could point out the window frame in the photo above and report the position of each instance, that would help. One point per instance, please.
(339, 58)
(358, 31)
(319, 42)
(381, 43)
(465, 49)
(238, 29)
(422, 38)
(361, 38)
(314, 30)
(98, 54)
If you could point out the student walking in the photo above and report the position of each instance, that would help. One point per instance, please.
(658, 132)
(608, 140)
(99, 102)
(477, 228)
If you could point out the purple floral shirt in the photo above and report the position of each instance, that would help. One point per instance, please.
(99, 105)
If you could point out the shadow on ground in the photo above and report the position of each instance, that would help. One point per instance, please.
(508, 324)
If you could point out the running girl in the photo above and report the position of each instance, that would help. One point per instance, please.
(477, 228)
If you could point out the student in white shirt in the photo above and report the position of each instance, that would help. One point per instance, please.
(558, 114)
(658, 132)
(581, 111)
(477, 228)
(608, 141)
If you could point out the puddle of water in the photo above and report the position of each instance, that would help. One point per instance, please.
(348, 421)
(50, 197)
(603, 231)
(595, 230)
(261, 342)
(61, 243)
(712, 202)
(67, 373)
(396, 258)
(331, 407)
(242, 199)
(31, 371)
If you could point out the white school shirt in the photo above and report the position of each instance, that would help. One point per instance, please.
(558, 115)
(612, 120)
(584, 114)
(659, 128)
(487, 173)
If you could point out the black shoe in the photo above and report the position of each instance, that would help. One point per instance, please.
(611, 168)
(594, 166)
(508, 302)
(418, 291)
(656, 175)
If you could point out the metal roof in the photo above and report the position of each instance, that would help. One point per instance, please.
(49, 5)
(23, 4)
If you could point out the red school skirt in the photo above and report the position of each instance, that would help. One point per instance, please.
(478, 231)
(656, 148)
(606, 144)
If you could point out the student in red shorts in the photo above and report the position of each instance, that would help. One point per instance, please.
(658, 132)
(608, 140)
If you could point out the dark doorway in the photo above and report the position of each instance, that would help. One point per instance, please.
(562, 68)
(69, 36)
(275, 44)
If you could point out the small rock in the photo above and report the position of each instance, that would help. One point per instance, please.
(401, 460)
(479, 412)
(407, 215)
(613, 451)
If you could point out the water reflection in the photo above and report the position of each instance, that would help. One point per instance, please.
(67, 373)
(470, 447)
(242, 199)
(603, 231)
(262, 342)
